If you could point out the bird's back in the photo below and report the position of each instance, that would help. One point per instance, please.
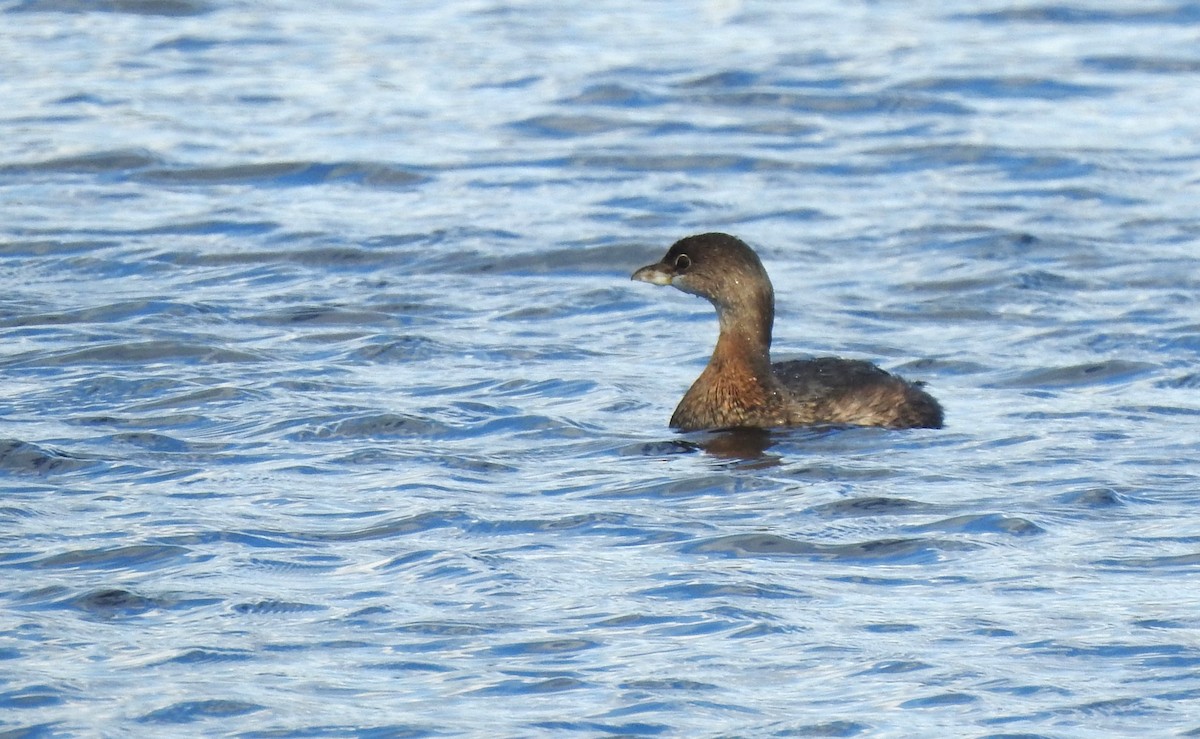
(855, 392)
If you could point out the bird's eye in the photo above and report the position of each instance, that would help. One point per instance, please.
(682, 262)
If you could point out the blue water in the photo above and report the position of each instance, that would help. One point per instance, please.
(329, 408)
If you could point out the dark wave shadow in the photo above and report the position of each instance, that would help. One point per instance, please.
(168, 8)
(907, 550)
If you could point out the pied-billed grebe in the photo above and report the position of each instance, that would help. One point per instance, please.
(740, 388)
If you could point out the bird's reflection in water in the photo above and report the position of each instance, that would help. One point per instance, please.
(740, 445)
(735, 447)
(748, 448)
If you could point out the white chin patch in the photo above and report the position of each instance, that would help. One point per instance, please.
(654, 277)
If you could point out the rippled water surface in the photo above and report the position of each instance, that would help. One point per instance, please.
(329, 408)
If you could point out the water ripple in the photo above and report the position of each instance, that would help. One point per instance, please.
(22, 457)
(186, 712)
(132, 557)
(884, 551)
(169, 8)
(285, 174)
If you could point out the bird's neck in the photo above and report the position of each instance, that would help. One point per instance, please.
(738, 387)
(742, 356)
(745, 340)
